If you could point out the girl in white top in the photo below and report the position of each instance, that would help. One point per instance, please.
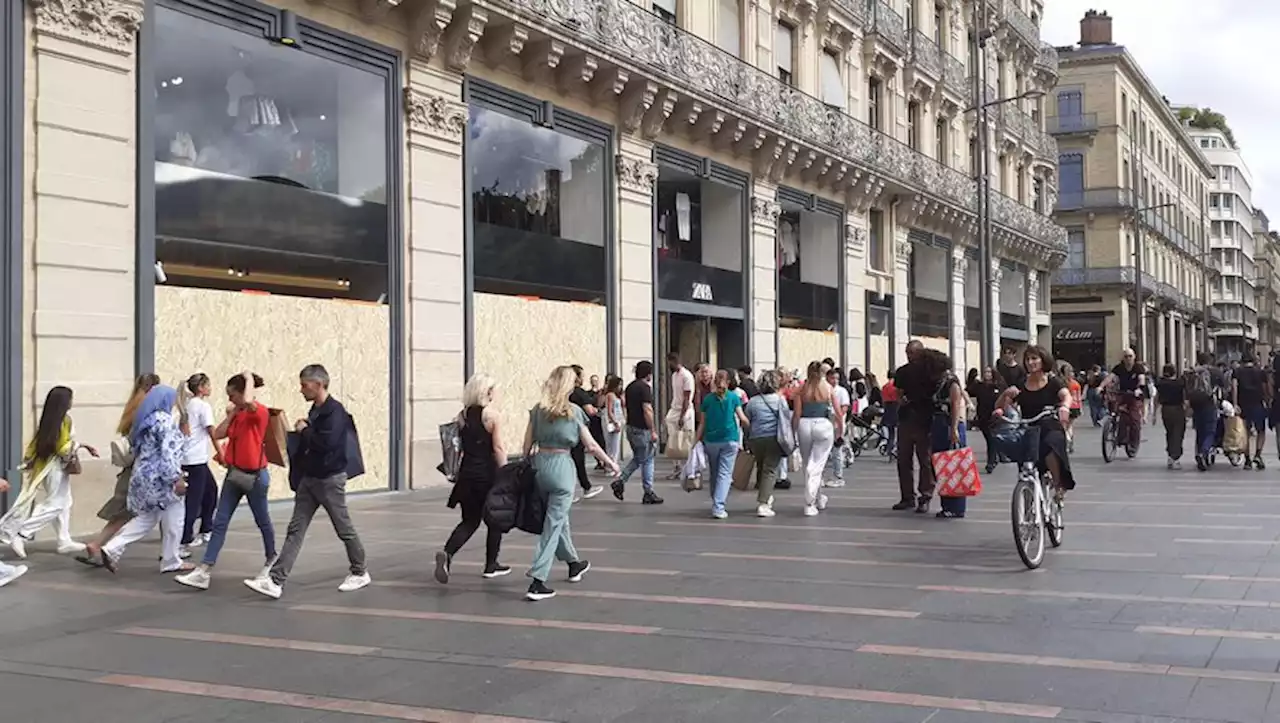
(202, 491)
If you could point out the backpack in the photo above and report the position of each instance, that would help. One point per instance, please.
(1199, 385)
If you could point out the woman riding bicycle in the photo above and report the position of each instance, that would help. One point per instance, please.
(1040, 389)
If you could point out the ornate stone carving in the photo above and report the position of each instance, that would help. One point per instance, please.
(429, 25)
(636, 174)
(765, 212)
(959, 264)
(997, 272)
(855, 239)
(904, 249)
(1033, 284)
(460, 40)
(435, 115)
(107, 24)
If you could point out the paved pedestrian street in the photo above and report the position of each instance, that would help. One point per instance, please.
(1162, 605)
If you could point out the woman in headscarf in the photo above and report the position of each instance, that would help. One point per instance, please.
(49, 462)
(156, 486)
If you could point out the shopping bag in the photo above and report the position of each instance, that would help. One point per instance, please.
(679, 441)
(692, 472)
(275, 443)
(1235, 438)
(743, 471)
(450, 450)
(956, 471)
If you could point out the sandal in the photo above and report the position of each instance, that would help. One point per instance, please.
(87, 559)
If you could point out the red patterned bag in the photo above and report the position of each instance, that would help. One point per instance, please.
(956, 471)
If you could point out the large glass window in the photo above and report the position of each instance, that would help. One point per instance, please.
(833, 93)
(699, 239)
(271, 165)
(1075, 249)
(537, 203)
(1071, 174)
(784, 51)
(729, 26)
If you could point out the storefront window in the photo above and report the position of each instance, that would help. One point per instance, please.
(271, 165)
(537, 202)
(929, 286)
(698, 235)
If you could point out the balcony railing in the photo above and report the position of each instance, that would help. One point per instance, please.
(1094, 198)
(926, 54)
(1047, 59)
(1079, 123)
(954, 76)
(1124, 276)
(857, 9)
(623, 29)
(1021, 24)
(888, 24)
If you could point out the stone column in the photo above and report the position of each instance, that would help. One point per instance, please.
(997, 272)
(80, 316)
(1161, 338)
(764, 274)
(901, 295)
(959, 267)
(637, 175)
(854, 324)
(1033, 298)
(437, 122)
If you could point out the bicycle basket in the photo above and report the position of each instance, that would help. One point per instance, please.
(1015, 443)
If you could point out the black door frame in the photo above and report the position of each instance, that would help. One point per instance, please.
(255, 18)
(12, 61)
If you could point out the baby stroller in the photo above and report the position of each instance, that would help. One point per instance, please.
(866, 433)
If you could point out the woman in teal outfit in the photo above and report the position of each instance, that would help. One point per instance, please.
(555, 426)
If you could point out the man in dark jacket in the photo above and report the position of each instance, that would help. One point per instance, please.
(322, 457)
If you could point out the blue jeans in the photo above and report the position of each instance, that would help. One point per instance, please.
(1096, 408)
(228, 501)
(642, 449)
(1205, 421)
(720, 459)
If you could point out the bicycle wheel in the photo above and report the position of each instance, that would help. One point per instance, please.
(1053, 516)
(1108, 439)
(1028, 525)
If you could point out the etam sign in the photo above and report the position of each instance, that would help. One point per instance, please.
(1066, 333)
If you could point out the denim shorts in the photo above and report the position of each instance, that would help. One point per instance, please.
(1255, 417)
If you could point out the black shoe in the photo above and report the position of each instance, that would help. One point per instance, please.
(1200, 465)
(618, 489)
(1257, 462)
(922, 506)
(443, 561)
(991, 467)
(904, 505)
(651, 499)
(783, 484)
(539, 591)
(578, 569)
(496, 569)
(1248, 463)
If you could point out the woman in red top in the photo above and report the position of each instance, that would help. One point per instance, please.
(244, 429)
(889, 398)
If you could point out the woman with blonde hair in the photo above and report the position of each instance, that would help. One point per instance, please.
(813, 412)
(116, 510)
(555, 426)
(482, 455)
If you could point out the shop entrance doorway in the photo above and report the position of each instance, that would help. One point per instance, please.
(717, 341)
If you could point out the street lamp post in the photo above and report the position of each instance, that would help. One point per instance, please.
(978, 41)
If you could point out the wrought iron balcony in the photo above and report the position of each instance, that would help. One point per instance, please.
(925, 54)
(1070, 124)
(856, 9)
(1045, 145)
(1021, 24)
(625, 33)
(1047, 59)
(1101, 276)
(1113, 199)
(888, 24)
(954, 76)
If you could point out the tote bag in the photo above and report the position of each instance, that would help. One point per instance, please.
(956, 471)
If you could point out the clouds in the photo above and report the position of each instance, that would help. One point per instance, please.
(1205, 54)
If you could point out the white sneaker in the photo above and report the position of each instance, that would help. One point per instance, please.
(810, 511)
(1169, 464)
(204, 538)
(11, 573)
(71, 548)
(265, 572)
(595, 490)
(834, 483)
(355, 582)
(19, 547)
(1177, 464)
(197, 578)
(822, 502)
(765, 511)
(720, 514)
(264, 586)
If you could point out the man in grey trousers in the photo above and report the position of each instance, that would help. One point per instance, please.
(322, 459)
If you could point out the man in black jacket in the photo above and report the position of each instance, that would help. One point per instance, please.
(322, 458)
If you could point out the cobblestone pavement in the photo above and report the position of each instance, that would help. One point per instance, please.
(1163, 605)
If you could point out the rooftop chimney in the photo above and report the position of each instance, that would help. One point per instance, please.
(1095, 28)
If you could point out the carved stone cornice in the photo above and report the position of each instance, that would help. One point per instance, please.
(997, 272)
(106, 24)
(959, 263)
(904, 249)
(435, 115)
(460, 39)
(855, 239)
(765, 212)
(636, 174)
(429, 25)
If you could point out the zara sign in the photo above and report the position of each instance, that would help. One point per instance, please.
(702, 292)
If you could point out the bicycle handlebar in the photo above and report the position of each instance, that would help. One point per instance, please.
(1030, 420)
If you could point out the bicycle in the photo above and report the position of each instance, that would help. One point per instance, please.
(1115, 427)
(1035, 510)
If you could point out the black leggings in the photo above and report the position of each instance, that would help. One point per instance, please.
(579, 454)
(472, 516)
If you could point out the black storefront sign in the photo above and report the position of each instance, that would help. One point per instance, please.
(1080, 339)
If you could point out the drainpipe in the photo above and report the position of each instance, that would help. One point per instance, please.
(893, 219)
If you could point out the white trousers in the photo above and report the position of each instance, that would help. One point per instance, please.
(55, 509)
(170, 521)
(816, 437)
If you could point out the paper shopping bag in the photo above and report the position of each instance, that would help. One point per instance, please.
(744, 471)
(956, 471)
(274, 443)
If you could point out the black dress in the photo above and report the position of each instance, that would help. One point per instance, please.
(478, 468)
(1053, 438)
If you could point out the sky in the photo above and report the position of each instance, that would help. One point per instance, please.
(1219, 53)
